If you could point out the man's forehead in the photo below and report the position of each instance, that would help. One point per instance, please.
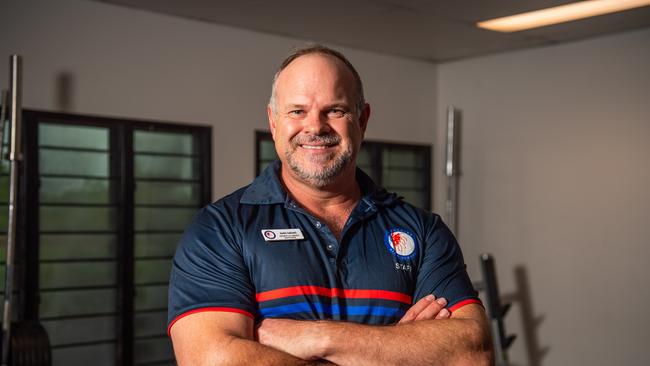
(316, 63)
(315, 75)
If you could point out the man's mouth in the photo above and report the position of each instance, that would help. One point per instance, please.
(316, 147)
(316, 143)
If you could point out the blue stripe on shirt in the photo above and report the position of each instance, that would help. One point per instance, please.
(316, 307)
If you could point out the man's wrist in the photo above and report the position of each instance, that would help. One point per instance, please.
(337, 337)
(323, 338)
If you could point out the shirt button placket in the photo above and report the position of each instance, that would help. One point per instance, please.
(331, 255)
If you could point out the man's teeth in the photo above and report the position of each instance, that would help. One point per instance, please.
(318, 147)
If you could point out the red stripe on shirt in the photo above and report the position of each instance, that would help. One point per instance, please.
(460, 304)
(201, 310)
(332, 292)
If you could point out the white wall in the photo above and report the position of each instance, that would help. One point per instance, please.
(135, 64)
(556, 181)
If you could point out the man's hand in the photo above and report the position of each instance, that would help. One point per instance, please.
(296, 337)
(427, 308)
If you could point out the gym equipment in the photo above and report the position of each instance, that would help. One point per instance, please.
(495, 309)
(29, 345)
(23, 343)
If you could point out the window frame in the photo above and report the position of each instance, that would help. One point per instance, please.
(121, 162)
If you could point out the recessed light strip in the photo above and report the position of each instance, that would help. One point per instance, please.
(559, 14)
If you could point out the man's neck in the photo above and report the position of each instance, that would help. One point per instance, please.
(332, 204)
(344, 190)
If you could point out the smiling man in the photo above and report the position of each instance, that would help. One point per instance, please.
(312, 263)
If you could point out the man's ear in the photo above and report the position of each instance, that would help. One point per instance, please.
(364, 117)
(271, 117)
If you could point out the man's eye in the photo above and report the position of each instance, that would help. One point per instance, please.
(335, 113)
(296, 113)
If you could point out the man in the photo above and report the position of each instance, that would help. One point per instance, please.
(312, 263)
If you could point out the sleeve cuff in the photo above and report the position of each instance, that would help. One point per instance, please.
(213, 308)
(462, 303)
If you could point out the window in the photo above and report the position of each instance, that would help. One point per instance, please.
(168, 190)
(106, 202)
(400, 168)
(77, 242)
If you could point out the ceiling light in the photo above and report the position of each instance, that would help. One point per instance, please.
(559, 14)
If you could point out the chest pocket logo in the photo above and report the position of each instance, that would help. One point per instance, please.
(400, 242)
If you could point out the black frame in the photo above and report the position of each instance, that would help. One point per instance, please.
(121, 169)
(376, 148)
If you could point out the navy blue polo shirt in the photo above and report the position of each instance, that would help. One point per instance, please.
(258, 253)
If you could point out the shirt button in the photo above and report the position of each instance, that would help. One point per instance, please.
(330, 247)
(318, 224)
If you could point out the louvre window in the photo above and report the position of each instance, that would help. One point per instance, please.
(167, 175)
(78, 231)
(4, 205)
(106, 202)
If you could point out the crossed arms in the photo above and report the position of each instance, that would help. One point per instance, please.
(427, 335)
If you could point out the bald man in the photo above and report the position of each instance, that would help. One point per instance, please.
(312, 263)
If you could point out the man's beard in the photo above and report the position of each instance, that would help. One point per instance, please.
(332, 164)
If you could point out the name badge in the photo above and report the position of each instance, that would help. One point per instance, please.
(282, 234)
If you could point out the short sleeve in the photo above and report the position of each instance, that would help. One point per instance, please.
(443, 271)
(208, 270)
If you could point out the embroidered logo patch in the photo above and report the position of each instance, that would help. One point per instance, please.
(400, 242)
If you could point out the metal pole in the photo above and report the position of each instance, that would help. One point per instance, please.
(14, 157)
(451, 168)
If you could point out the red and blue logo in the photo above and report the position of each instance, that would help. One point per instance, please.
(401, 242)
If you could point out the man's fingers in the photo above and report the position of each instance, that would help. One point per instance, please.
(417, 308)
(427, 308)
(431, 311)
(443, 314)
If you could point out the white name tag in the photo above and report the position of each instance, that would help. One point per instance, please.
(282, 234)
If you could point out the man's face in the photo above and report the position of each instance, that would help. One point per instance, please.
(316, 126)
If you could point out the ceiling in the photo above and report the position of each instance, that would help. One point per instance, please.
(430, 30)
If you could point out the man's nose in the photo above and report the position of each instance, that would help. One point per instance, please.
(317, 124)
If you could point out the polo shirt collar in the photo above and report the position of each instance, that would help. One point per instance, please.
(267, 189)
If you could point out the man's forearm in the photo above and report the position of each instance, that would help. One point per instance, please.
(245, 352)
(249, 352)
(459, 341)
(431, 342)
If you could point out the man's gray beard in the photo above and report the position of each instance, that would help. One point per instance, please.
(324, 177)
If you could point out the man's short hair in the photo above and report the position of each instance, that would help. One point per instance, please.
(317, 48)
